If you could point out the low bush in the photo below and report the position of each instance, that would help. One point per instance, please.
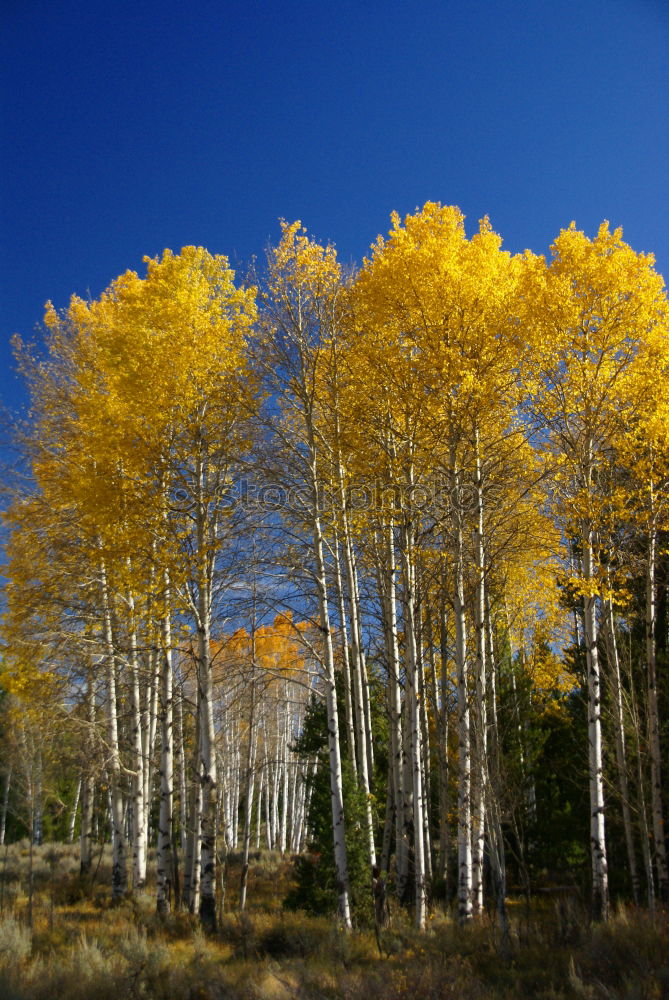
(15, 942)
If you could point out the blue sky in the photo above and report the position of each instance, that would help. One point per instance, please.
(131, 127)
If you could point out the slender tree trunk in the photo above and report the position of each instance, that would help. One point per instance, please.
(465, 874)
(250, 786)
(270, 833)
(181, 767)
(346, 659)
(386, 573)
(261, 791)
(88, 784)
(600, 891)
(150, 731)
(494, 786)
(653, 717)
(138, 828)
(165, 873)
(150, 712)
(207, 760)
(364, 680)
(359, 675)
(191, 893)
(433, 686)
(285, 787)
(481, 730)
(413, 694)
(441, 714)
(621, 749)
(119, 855)
(73, 813)
(208, 777)
(425, 765)
(336, 785)
(5, 804)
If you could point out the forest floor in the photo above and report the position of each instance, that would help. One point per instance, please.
(75, 946)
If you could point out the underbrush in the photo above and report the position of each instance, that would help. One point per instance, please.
(73, 945)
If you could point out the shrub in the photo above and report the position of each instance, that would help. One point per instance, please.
(295, 937)
(15, 941)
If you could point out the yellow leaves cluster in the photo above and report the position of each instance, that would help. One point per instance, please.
(31, 685)
(304, 265)
(436, 349)
(589, 314)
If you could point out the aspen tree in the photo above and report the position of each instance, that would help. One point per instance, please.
(157, 361)
(302, 304)
(192, 315)
(439, 302)
(332, 373)
(590, 310)
(75, 474)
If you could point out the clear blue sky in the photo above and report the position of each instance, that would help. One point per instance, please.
(131, 127)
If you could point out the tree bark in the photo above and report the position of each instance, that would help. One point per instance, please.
(119, 853)
(165, 872)
(621, 748)
(600, 890)
(415, 735)
(465, 874)
(88, 784)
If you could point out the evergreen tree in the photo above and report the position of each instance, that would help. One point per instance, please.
(315, 888)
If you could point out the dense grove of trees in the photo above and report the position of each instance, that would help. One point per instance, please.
(422, 506)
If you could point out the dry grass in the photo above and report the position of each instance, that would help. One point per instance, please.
(81, 948)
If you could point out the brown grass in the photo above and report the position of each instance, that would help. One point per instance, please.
(81, 948)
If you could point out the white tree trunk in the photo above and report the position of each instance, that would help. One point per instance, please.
(600, 890)
(138, 821)
(359, 675)
(88, 784)
(250, 787)
(207, 773)
(192, 861)
(73, 813)
(150, 732)
(441, 715)
(481, 730)
(5, 805)
(386, 584)
(181, 768)
(465, 874)
(413, 696)
(283, 822)
(165, 865)
(336, 785)
(119, 854)
(621, 748)
(425, 759)
(261, 791)
(346, 659)
(494, 783)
